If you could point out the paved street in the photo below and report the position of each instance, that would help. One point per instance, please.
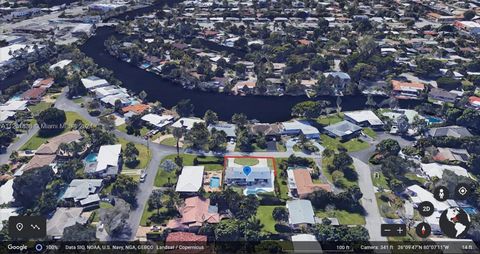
(24, 138)
(369, 202)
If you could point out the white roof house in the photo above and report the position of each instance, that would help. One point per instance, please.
(14, 106)
(83, 191)
(60, 64)
(6, 192)
(297, 127)
(5, 57)
(158, 120)
(306, 243)
(4, 115)
(108, 90)
(93, 82)
(418, 195)
(436, 170)
(300, 212)
(186, 122)
(191, 179)
(108, 156)
(363, 118)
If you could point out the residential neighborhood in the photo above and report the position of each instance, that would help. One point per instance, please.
(242, 126)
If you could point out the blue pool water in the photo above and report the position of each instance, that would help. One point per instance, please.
(214, 182)
(470, 210)
(432, 119)
(253, 191)
(91, 158)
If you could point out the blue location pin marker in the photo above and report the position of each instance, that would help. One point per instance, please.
(247, 170)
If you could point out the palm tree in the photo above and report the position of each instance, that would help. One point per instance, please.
(178, 134)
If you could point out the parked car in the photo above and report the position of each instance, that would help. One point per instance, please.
(143, 176)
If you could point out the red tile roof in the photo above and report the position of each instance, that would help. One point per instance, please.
(178, 237)
(34, 93)
(398, 85)
(138, 108)
(304, 183)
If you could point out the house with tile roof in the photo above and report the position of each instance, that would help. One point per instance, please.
(194, 213)
(407, 90)
(300, 183)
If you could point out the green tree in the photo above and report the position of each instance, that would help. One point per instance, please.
(470, 119)
(280, 214)
(342, 161)
(227, 231)
(125, 188)
(198, 136)
(388, 147)
(28, 187)
(115, 218)
(79, 233)
(184, 108)
(210, 117)
(309, 109)
(240, 119)
(51, 120)
(155, 200)
(217, 141)
(131, 152)
(177, 134)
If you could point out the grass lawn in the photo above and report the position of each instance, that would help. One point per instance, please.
(79, 100)
(330, 119)
(264, 214)
(39, 107)
(415, 178)
(169, 142)
(282, 182)
(369, 132)
(344, 217)
(132, 173)
(344, 181)
(388, 209)
(247, 161)
(379, 180)
(280, 147)
(145, 156)
(254, 148)
(123, 128)
(352, 145)
(161, 179)
(148, 213)
(36, 141)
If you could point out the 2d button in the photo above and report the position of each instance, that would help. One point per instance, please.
(462, 191)
(441, 193)
(425, 208)
(423, 230)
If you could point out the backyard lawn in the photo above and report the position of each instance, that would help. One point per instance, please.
(145, 156)
(344, 217)
(123, 128)
(36, 141)
(39, 107)
(379, 180)
(369, 132)
(264, 214)
(352, 145)
(341, 182)
(169, 142)
(147, 213)
(330, 119)
(246, 161)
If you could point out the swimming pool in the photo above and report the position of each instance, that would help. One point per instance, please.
(91, 158)
(470, 210)
(253, 191)
(214, 182)
(432, 119)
